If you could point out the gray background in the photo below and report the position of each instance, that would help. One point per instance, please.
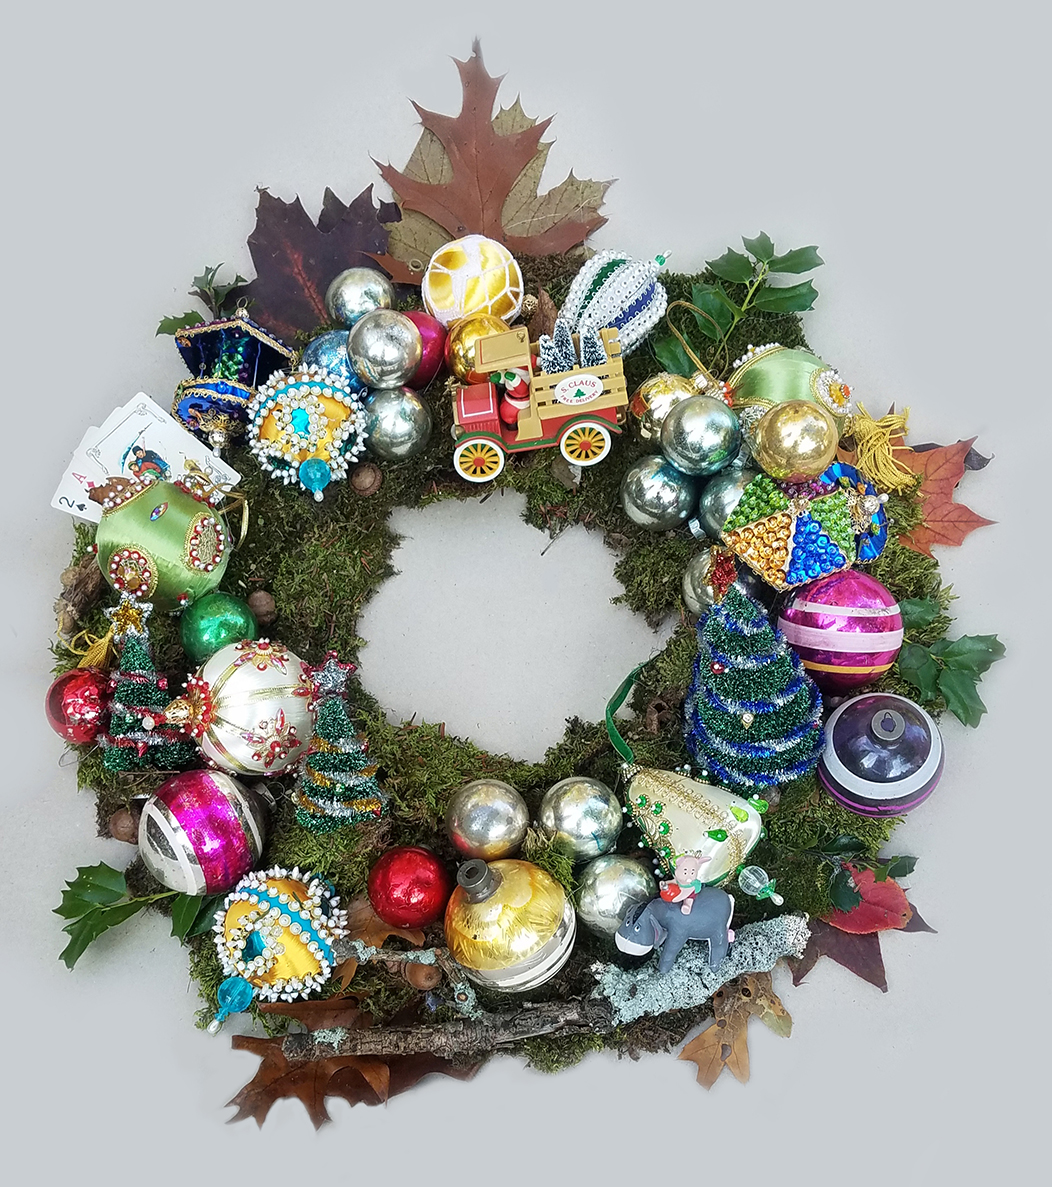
(908, 141)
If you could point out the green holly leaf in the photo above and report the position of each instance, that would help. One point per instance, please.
(180, 321)
(899, 867)
(761, 247)
(970, 653)
(185, 909)
(916, 665)
(961, 695)
(206, 917)
(843, 845)
(732, 266)
(720, 308)
(800, 259)
(794, 298)
(918, 612)
(842, 891)
(880, 873)
(90, 926)
(673, 357)
(93, 886)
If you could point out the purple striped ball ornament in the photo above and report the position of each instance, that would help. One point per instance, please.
(846, 628)
(202, 831)
(883, 755)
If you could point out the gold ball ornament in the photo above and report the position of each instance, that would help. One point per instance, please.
(794, 441)
(472, 275)
(460, 345)
(655, 398)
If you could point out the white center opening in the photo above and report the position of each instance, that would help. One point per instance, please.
(481, 631)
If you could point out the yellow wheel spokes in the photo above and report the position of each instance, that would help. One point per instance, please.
(585, 443)
(479, 461)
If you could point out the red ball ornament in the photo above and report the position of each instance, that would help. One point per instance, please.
(409, 887)
(76, 704)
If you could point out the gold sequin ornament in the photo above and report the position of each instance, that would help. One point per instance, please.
(472, 275)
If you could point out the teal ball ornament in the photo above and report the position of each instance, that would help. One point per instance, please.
(212, 622)
(657, 496)
(329, 352)
(700, 436)
(719, 497)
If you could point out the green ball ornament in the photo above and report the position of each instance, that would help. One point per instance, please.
(214, 621)
(159, 542)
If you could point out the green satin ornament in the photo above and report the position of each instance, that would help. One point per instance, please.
(161, 543)
(770, 375)
(214, 621)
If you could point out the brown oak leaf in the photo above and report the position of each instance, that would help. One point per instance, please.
(945, 522)
(725, 1043)
(296, 259)
(364, 924)
(477, 172)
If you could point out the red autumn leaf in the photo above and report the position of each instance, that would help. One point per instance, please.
(883, 906)
(467, 168)
(945, 522)
(858, 954)
(296, 259)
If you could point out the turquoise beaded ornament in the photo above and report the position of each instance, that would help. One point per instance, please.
(614, 289)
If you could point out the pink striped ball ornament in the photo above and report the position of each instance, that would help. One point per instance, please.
(846, 628)
(202, 831)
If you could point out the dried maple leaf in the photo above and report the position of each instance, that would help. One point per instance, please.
(725, 1043)
(945, 522)
(296, 259)
(883, 906)
(477, 172)
(364, 924)
(859, 954)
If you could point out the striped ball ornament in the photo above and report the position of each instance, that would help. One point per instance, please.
(201, 831)
(846, 628)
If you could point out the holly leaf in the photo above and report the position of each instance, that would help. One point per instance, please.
(900, 867)
(296, 259)
(859, 954)
(193, 915)
(843, 893)
(90, 926)
(945, 522)
(843, 844)
(479, 173)
(761, 247)
(882, 905)
(732, 266)
(793, 298)
(918, 612)
(179, 321)
(916, 665)
(970, 653)
(364, 924)
(961, 696)
(671, 355)
(719, 307)
(800, 259)
(94, 886)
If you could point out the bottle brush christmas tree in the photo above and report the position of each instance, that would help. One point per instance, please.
(753, 715)
(138, 737)
(337, 783)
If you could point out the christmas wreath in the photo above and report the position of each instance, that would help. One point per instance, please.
(387, 901)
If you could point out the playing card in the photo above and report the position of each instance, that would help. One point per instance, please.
(80, 476)
(141, 440)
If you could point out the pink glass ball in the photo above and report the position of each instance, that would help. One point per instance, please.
(433, 341)
(846, 628)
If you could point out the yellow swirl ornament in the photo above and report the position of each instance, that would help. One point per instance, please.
(472, 275)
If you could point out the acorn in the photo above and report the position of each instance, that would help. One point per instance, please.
(263, 606)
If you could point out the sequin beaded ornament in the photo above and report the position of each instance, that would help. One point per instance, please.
(615, 290)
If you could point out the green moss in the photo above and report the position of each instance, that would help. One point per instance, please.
(542, 851)
(549, 1054)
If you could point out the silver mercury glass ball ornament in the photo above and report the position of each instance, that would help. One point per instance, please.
(657, 496)
(385, 348)
(356, 292)
(700, 435)
(487, 818)
(582, 816)
(719, 497)
(607, 887)
(698, 593)
(398, 424)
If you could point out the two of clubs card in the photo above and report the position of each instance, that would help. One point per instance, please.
(139, 440)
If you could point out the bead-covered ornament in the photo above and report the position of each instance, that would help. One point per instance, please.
(337, 784)
(883, 755)
(582, 816)
(76, 704)
(487, 818)
(509, 924)
(161, 541)
(657, 496)
(791, 534)
(228, 360)
(753, 715)
(201, 831)
(248, 708)
(214, 621)
(307, 427)
(472, 275)
(274, 935)
(846, 628)
(409, 887)
(613, 289)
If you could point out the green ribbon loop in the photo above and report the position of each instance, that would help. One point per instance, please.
(612, 706)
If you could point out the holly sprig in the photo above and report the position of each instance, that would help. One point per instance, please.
(219, 299)
(845, 848)
(949, 668)
(98, 899)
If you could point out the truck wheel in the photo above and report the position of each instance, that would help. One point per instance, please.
(585, 443)
(478, 460)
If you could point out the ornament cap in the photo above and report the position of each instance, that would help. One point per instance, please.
(478, 880)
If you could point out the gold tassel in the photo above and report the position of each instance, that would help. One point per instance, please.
(874, 453)
(94, 652)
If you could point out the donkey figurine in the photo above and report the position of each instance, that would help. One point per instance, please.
(661, 924)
